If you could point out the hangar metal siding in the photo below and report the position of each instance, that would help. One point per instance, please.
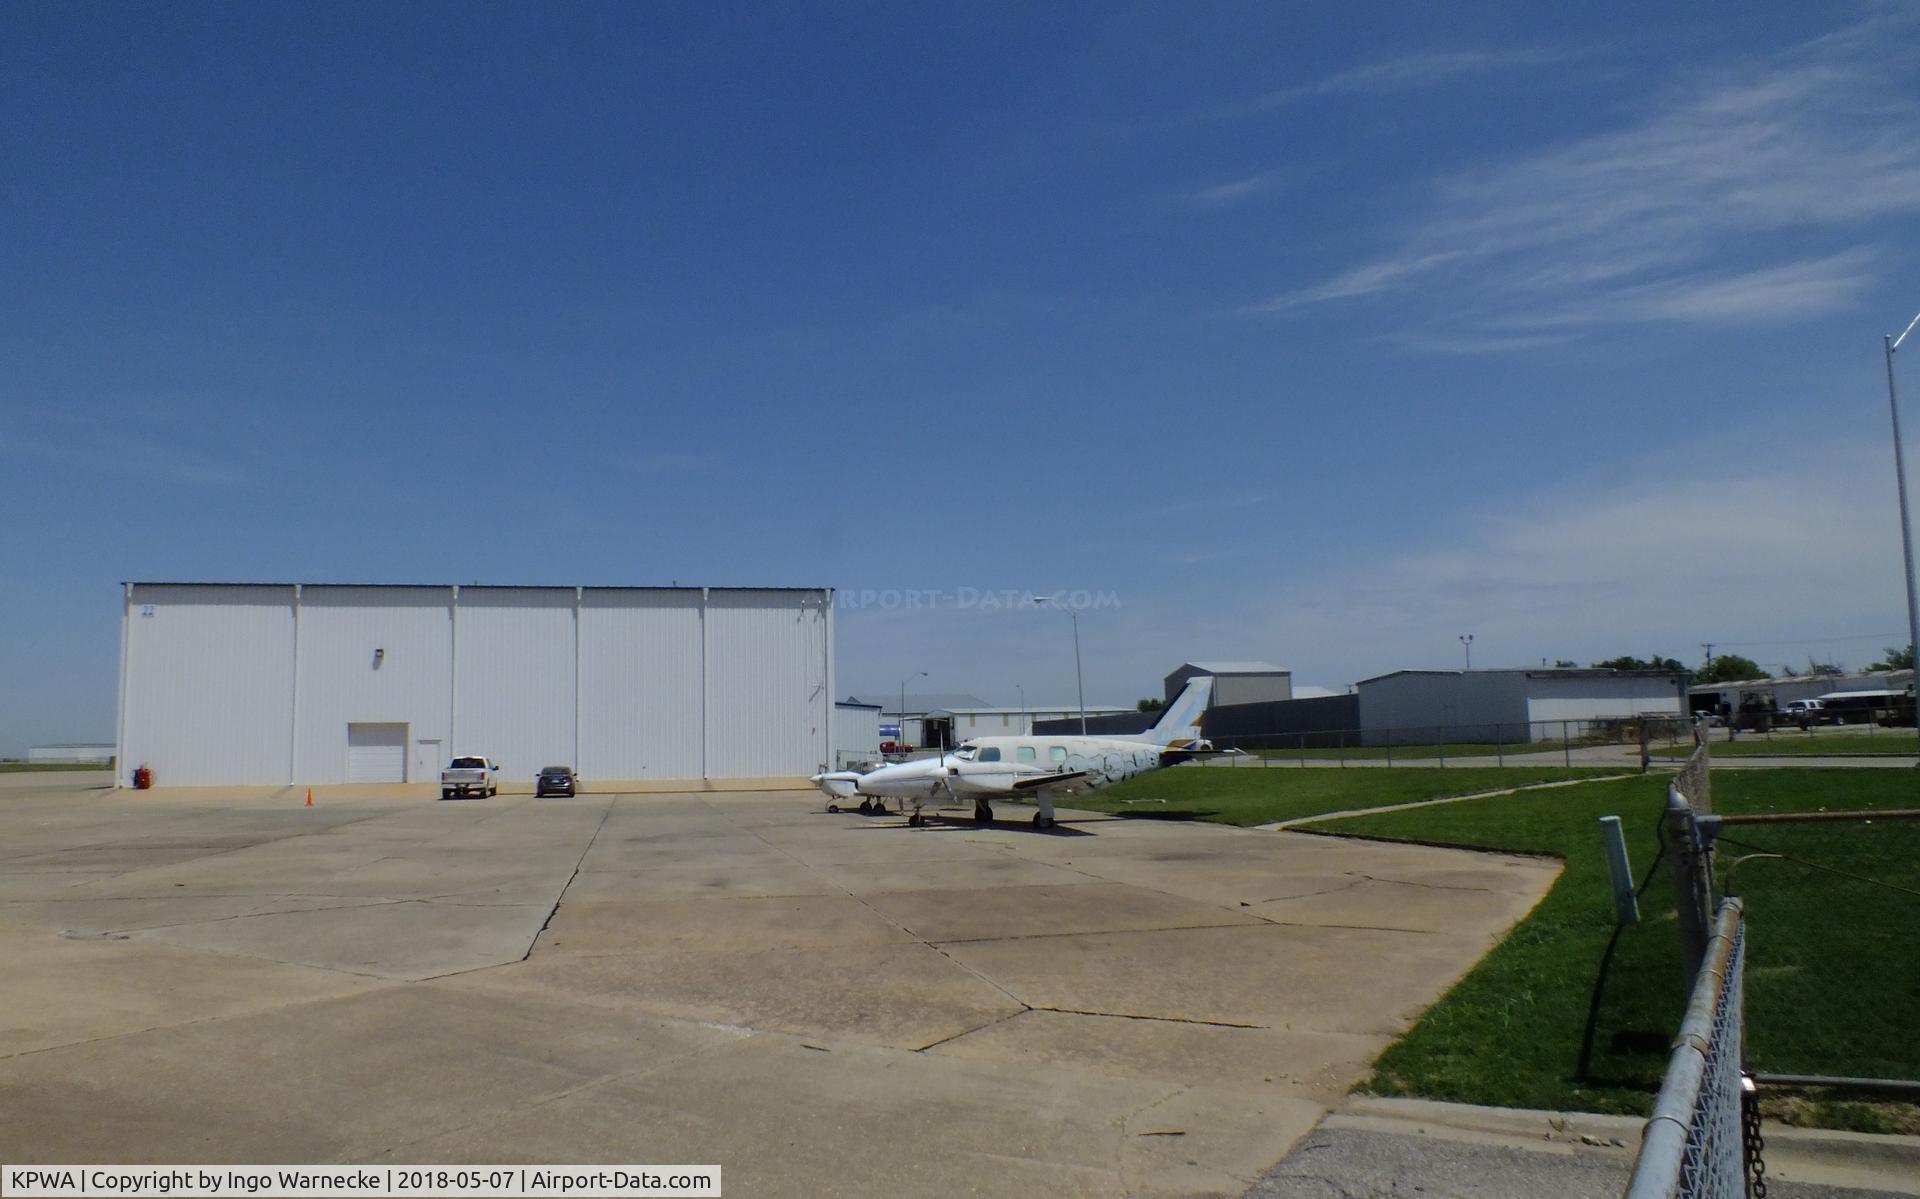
(257, 683)
(209, 684)
(769, 712)
(341, 629)
(514, 662)
(640, 685)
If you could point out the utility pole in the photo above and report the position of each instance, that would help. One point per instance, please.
(1708, 646)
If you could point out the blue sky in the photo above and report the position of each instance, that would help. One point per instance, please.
(1320, 334)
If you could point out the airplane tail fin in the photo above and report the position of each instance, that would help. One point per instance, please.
(1181, 720)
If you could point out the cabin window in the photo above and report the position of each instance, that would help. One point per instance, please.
(990, 754)
(1028, 753)
(1057, 753)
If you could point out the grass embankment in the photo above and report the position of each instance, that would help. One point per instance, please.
(24, 767)
(1784, 744)
(1248, 795)
(1832, 987)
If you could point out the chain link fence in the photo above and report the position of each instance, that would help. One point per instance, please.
(1697, 1143)
(1825, 1000)
(1601, 740)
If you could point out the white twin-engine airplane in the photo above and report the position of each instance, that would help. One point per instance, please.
(989, 768)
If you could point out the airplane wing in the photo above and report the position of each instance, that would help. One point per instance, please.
(1047, 780)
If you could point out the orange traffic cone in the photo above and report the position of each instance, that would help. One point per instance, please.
(309, 796)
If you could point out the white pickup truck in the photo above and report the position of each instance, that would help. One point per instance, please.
(470, 776)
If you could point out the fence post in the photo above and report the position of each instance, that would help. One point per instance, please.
(1690, 894)
(1389, 747)
(1500, 744)
(1440, 739)
(1566, 742)
(1303, 750)
(1343, 749)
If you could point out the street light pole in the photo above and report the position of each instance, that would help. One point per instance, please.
(1079, 681)
(1466, 643)
(1892, 343)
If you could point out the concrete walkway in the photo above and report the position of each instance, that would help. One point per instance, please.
(1384, 1148)
(821, 1004)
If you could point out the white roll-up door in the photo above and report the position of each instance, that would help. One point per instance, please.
(376, 753)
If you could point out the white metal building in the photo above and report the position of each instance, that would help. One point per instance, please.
(964, 724)
(308, 684)
(1412, 707)
(856, 733)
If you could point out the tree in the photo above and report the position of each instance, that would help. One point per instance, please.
(1565, 664)
(1149, 705)
(1730, 668)
(1898, 657)
(1629, 662)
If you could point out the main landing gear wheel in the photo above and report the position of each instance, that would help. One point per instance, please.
(866, 807)
(983, 812)
(916, 820)
(1040, 821)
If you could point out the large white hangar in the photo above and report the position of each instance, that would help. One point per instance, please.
(309, 684)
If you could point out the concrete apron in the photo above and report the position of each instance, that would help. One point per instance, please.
(821, 1004)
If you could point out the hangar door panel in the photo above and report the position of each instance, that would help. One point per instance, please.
(376, 753)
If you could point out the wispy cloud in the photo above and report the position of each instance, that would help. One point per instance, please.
(1236, 191)
(1409, 72)
(1606, 565)
(1748, 194)
(90, 444)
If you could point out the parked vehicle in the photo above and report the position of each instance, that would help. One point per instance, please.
(470, 775)
(555, 780)
(1806, 712)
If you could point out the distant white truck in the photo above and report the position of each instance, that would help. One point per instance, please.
(470, 776)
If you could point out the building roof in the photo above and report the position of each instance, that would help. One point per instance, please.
(1902, 677)
(1540, 672)
(1232, 668)
(1310, 692)
(854, 703)
(1032, 709)
(919, 705)
(475, 586)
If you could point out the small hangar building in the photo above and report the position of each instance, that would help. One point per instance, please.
(661, 687)
(1414, 707)
(1234, 682)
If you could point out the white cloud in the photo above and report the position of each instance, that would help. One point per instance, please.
(1627, 564)
(1681, 214)
(1235, 191)
(1409, 72)
(88, 443)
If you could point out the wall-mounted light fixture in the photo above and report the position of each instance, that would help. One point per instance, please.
(379, 656)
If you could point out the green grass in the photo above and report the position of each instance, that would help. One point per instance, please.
(24, 767)
(1247, 795)
(1788, 743)
(1832, 985)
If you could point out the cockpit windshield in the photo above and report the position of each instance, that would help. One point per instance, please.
(967, 753)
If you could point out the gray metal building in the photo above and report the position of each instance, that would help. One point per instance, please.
(665, 687)
(1235, 682)
(1414, 707)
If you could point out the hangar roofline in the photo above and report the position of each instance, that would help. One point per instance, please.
(487, 586)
